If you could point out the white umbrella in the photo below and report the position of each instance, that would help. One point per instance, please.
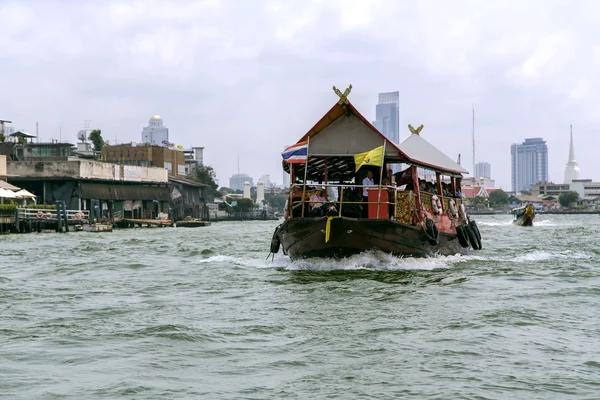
(7, 194)
(6, 185)
(24, 194)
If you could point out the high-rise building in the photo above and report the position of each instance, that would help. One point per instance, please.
(483, 170)
(529, 164)
(572, 171)
(236, 182)
(155, 133)
(266, 180)
(387, 116)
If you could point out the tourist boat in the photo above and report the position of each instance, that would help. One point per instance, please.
(422, 217)
(524, 216)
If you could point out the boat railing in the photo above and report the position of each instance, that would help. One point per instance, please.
(396, 201)
(357, 198)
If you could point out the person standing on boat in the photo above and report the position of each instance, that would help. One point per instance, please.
(368, 181)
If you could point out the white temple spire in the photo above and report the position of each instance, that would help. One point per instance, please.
(572, 170)
(572, 149)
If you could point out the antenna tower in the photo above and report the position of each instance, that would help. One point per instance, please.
(473, 139)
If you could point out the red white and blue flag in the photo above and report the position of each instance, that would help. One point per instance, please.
(296, 153)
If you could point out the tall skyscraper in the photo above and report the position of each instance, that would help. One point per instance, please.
(572, 169)
(483, 170)
(529, 164)
(387, 115)
(155, 133)
(236, 182)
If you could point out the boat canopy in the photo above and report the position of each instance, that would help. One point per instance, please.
(343, 132)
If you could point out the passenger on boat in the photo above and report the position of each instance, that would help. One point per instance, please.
(318, 203)
(446, 189)
(296, 202)
(367, 181)
(390, 176)
(350, 207)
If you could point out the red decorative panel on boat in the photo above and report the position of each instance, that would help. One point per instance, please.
(383, 206)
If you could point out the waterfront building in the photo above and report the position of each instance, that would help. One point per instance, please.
(3, 173)
(236, 182)
(128, 190)
(483, 170)
(572, 171)
(529, 164)
(172, 160)
(586, 188)
(193, 158)
(20, 147)
(387, 116)
(156, 133)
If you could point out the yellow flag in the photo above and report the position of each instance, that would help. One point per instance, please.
(373, 157)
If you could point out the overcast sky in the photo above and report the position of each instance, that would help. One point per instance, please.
(248, 77)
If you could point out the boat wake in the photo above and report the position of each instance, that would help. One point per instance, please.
(373, 261)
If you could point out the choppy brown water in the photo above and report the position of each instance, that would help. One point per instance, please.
(200, 313)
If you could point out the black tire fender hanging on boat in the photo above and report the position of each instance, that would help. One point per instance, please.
(433, 234)
(475, 229)
(462, 236)
(475, 244)
(275, 242)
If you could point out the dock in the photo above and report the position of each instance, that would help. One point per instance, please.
(140, 222)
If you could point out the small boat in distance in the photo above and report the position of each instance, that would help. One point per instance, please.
(353, 190)
(524, 215)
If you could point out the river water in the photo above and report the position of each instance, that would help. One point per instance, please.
(199, 313)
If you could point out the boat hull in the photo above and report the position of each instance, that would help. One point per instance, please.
(525, 217)
(525, 220)
(305, 238)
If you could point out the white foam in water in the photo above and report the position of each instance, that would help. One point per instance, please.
(546, 222)
(538, 255)
(216, 259)
(375, 261)
(500, 223)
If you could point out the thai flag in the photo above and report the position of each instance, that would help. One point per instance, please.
(296, 153)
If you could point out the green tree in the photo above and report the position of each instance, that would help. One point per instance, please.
(204, 174)
(276, 201)
(498, 199)
(225, 190)
(567, 198)
(478, 202)
(96, 138)
(244, 205)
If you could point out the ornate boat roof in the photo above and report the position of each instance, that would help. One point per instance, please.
(343, 132)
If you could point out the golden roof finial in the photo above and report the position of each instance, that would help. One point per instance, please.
(415, 131)
(343, 96)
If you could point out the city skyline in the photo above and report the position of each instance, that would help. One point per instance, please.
(127, 62)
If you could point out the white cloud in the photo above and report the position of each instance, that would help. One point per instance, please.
(250, 77)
